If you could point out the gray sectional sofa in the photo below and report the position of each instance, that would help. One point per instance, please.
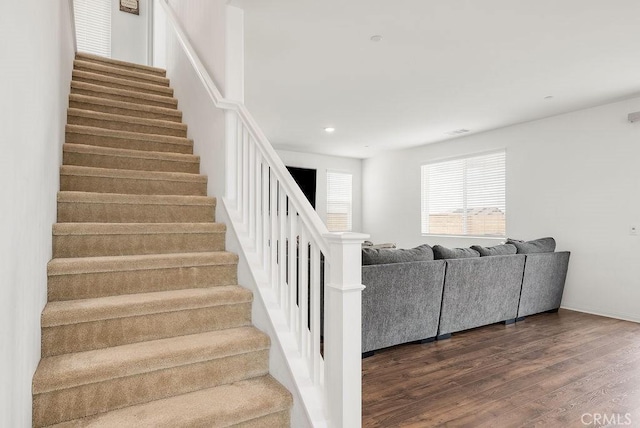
(410, 296)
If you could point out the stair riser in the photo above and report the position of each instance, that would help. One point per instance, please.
(124, 111)
(274, 420)
(159, 90)
(123, 143)
(69, 212)
(127, 99)
(62, 405)
(130, 186)
(102, 284)
(126, 126)
(106, 62)
(66, 246)
(122, 162)
(121, 331)
(148, 79)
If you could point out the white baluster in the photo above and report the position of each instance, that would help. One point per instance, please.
(292, 233)
(303, 293)
(273, 218)
(282, 245)
(316, 357)
(266, 218)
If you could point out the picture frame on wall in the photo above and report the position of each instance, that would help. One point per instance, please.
(130, 6)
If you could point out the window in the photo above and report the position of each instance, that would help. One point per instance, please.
(465, 196)
(339, 201)
(93, 26)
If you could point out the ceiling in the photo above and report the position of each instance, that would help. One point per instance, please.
(440, 66)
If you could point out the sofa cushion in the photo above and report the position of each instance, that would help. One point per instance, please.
(440, 253)
(378, 256)
(542, 245)
(496, 250)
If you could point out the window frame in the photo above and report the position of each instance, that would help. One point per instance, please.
(328, 200)
(424, 199)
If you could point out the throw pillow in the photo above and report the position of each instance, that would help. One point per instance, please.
(496, 250)
(378, 256)
(542, 245)
(440, 253)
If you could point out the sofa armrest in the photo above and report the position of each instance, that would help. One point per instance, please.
(401, 302)
(543, 282)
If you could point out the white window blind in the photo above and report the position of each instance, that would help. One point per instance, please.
(465, 196)
(339, 201)
(93, 26)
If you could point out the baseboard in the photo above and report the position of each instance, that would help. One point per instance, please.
(622, 317)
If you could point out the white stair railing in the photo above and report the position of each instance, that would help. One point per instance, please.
(290, 254)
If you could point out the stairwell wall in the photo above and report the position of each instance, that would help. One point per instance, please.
(207, 129)
(37, 57)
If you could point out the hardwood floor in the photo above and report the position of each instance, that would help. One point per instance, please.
(554, 370)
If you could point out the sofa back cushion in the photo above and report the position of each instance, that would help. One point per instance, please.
(542, 245)
(496, 250)
(378, 256)
(441, 253)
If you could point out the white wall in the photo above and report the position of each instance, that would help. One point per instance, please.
(129, 33)
(322, 164)
(37, 54)
(574, 177)
(205, 20)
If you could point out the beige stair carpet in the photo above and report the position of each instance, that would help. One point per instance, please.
(145, 325)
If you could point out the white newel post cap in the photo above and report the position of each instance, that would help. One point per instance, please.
(346, 254)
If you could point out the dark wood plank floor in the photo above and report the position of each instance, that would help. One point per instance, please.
(554, 370)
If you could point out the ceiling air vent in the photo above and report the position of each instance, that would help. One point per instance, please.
(458, 132)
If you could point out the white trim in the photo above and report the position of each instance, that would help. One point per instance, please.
(623, 317)
(72, 17)
(150, 32)
(347, 287)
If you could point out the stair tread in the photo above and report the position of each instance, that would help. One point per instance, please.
(80, 265)
(92, 114)
(61, 229)
(115, 198)
(222, 406)
(81, 368)
(141, 154)
(123, 93)
(92, 130)
(129, 84)
(120, 72)
(111, 307)
(88, 56)
(131, 174)
(88, 99)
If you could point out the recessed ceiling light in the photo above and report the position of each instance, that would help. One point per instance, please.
(376, 38)
(329, 130)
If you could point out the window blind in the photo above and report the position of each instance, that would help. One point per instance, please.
(339, 201)
(465, 196)
(93, 26)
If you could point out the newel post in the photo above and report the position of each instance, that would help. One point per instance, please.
(343, 327)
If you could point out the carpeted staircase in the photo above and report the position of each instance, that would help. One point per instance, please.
(145, 325)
